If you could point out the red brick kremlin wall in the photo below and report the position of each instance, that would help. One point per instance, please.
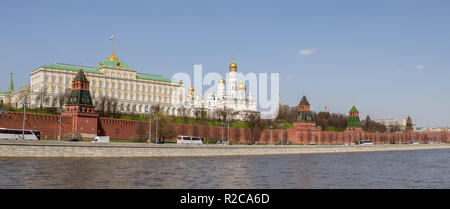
(118, 129)
(47, 124)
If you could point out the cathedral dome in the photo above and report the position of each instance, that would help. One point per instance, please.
(241, 86)
(233, 66)
(222, 80)
(191, 90)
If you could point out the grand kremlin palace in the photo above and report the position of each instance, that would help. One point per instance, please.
(135, 92)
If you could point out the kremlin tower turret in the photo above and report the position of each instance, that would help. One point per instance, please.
(81, 108)
(353, 123)
(304, 116)
(409, 125)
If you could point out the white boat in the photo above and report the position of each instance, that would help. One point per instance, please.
(189, 140)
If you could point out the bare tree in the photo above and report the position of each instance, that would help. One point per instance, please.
(63, 98)
(236, 135)
(255, 127)
(42, 97)
(140, 134)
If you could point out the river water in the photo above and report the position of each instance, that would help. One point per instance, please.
(395, 169)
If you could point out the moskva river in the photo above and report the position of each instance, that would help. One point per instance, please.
(397, 169)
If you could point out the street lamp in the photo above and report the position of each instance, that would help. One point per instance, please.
(24, 104)
(60, 123)
(228, 131)
(223, 127)
(156, 134)
(271, 127)
(282, 128)
(149, 140)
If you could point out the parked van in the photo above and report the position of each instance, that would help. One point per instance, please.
(101, 139)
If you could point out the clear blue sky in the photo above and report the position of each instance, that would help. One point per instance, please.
(389, 58)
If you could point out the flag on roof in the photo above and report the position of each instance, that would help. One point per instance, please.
(112, 37)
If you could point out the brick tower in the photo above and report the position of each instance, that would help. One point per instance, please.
(409, 125)
(353, 123)
(304, 116)
(81, 108)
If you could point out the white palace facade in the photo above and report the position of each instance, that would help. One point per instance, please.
(133, 92)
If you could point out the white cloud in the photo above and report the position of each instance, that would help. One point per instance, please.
(420, 67)
(306, 52)
(288, 77)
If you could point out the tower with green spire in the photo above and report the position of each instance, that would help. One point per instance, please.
(353, 122)
(409, 125)
(81, 108)
(11, 85)
(305, 117)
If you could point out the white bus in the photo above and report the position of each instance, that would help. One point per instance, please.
(365, 142)
(189, 140)
(6, 133)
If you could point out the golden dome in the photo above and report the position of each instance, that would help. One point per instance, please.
(241, 86)
(233, 66)
(113, 58)
(222, 80)
(191, 90)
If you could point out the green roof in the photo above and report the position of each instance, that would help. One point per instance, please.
(80, 76)
(109, 64)
(80, 97)
(152, 77)
(304, 101)
(115, 64)
(72, 68)
(4, 92)
(305, 117)
(353, 121)
(354, 109)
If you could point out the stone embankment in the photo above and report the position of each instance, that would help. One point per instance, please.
(14, 148)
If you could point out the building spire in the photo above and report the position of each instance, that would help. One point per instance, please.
(233, 66)
(11, 84)
(112, 58)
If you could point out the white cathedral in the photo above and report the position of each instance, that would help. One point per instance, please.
(230, 98)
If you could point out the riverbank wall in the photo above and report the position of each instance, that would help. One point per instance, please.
(14, 148)
(118, 129)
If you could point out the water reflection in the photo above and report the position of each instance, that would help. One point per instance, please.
(401, 169)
